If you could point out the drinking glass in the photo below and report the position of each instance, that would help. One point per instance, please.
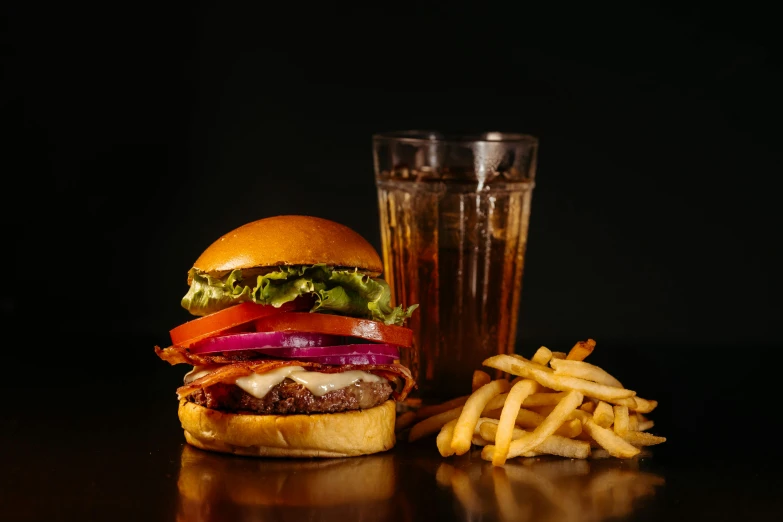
(454, 215)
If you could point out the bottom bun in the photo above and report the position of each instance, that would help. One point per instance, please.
(346, 434)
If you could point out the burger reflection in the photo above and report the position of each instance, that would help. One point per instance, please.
(216, 487)
(543, 489)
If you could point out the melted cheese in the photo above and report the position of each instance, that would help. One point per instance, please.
(319, 384)
(322, 383)
(258, 385)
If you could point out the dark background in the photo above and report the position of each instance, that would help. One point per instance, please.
(136, 134)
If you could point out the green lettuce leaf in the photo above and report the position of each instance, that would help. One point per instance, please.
(343, 292)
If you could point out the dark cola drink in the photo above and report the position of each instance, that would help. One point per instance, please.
(454, 221)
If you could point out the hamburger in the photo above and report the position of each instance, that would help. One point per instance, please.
(295, 351)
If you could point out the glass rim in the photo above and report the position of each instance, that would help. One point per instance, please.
(432, 136)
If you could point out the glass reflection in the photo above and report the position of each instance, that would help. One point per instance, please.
(216, 487)
(544, 489)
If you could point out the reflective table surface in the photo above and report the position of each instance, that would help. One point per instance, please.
(411, 485)
(110, 448)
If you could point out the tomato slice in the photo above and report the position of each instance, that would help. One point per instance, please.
(229, 319)
(337, 325)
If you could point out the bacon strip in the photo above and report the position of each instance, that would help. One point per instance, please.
(179, 355)
(231, 372)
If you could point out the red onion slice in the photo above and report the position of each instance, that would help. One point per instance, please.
(357, 358)
(341, 350)
(261, 340)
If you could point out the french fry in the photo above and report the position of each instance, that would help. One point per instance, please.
(563, 447)
(584, 370)
(404, 421)
(570, 429)
(491, 414)
(530, 364)
(489, 430)
(530, 419)
(628, 402)
(441, 415)
(530, 440)
(552, 445)
(508, 418)
(636, 404)
(581, 350)
(543, 410)
(543, 399)
(534, 400)
(443, 440)
(645, 425)
(515, 366)
(620, 419)
(609, 440)
(644, 406)
(480, 378)
(633, 423)
(588, 406)
(434, 409)
(471, 411)
(481, 422)
(432, 424)
(478, 440)
(599, 454)
(640, 438)
(559, 355)
(498, 401)
(542, 356)
(603, 416)
(587, 438)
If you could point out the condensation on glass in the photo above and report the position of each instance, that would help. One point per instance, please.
(454, 218)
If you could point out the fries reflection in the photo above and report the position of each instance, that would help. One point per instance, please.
(552, 489)
(216, 487)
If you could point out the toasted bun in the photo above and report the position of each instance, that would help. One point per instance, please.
(346, 434)
(289, 240)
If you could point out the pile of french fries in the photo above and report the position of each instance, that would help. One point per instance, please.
(557, 404)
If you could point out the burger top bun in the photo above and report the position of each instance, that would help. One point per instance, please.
(289, 240)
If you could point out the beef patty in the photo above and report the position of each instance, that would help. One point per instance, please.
(291, 397)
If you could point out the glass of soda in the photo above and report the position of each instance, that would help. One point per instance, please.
(454, 213)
